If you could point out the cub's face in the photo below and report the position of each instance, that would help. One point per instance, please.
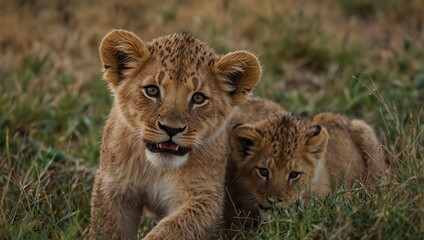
(174, 92)
(277, 156)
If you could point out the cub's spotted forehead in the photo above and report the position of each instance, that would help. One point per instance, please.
(182, 54)
(282, 128)
(285, 135)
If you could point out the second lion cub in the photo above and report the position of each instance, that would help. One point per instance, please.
(277, 157)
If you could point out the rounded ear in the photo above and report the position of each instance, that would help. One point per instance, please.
(316, 141)
(239, 73)
(244, 141)
(121, 51)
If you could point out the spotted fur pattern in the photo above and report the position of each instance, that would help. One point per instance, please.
(162, 151)
(321, 152)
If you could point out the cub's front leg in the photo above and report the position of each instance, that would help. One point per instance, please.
(195, 219)
(115, 211)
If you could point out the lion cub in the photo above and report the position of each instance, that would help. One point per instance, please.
(277, 157)
(164, 143)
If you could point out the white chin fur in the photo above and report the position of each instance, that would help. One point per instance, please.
(166, 160)
(262, 214)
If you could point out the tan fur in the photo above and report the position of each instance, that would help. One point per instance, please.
(239, 203)
(254, 110)
(183, 192)
(326, 150)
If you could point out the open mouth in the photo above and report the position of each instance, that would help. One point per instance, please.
(167, 147)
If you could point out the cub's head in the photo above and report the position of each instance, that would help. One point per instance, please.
(174, 92)
(277, 156)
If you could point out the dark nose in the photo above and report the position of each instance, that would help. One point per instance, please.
(170, 131)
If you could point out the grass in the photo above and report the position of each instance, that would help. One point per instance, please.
(46, 126)
(53, 106)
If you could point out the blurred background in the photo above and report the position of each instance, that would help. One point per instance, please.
(363, 58)
(295, 39)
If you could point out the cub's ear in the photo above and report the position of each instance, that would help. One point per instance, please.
(244, 142)
(121, 51)
(239, 72)
(316, 142)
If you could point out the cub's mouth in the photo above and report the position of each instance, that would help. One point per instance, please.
(264, 208)
(167, 147)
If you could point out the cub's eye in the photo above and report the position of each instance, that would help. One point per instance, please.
(152, 91)
(264, 172)
(198, 98)
(294, 175)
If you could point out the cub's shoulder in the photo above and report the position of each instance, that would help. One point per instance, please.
(331, 120)
(255, 110)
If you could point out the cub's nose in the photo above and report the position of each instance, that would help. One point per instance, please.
(171, 131)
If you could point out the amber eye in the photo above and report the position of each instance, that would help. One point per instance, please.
(264, 172)
(152, 91)
(198, 98)
(294, 175)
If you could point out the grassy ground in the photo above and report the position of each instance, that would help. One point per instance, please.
(362, 58)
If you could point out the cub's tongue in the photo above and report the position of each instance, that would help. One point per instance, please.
(168, 145)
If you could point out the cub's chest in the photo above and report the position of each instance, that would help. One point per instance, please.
(167, 190)
(159, 193)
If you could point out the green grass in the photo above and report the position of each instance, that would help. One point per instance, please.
(51, 123)
(48, 124)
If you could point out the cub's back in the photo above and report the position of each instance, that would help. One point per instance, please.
(344, 157)
(254, 110)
